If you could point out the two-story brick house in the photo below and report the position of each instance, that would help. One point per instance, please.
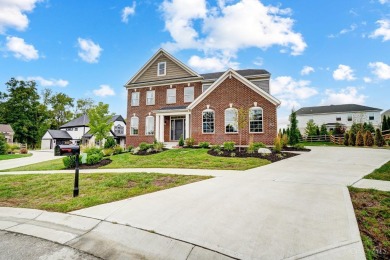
(167, 99)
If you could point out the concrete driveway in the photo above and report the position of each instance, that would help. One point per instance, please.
(37, 156)
(296, 208)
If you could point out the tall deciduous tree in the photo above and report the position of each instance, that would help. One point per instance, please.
(294, 131)
(59, 105)
(100, 121)
(82, 106)
(21, 108)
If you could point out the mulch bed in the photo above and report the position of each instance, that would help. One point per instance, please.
(273, 157)
(95, 166)
(294, 149)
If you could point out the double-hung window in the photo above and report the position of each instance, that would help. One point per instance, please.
(134, 99)
(171, 95)
(161, 68)
(134, 122)
(371, 116)
(208, 121)
(188, 94)
(149, 125)
(256, 120)
(231, 125)
(150, 97)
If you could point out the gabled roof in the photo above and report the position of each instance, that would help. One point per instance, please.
(154, 58)
(345, 108)
(6, 128)
(244, 73)
(84, 121)
(233, 73)
(59, 134)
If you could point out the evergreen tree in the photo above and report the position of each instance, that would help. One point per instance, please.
(359, 139)
(352, 138)
(3, 144)
(379, 141)
(346, 139)
(323, 130)
(368, 139)
(385, 125)
(294, 132)
(311, 128)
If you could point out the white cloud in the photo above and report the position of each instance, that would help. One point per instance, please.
(21, 49)
(89, 51)
(228, 27)
(211, 64)
(383, 30)
(380, 69)
(306, 70)
(127, 11)
(291, 91)
(343, 72)
(347, 95)
(13, 14)
(47, 82)
(384, 1)
(348, 30)
(367, 80)
(103, 91)
(258, 61)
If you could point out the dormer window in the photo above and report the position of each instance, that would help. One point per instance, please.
(161, 68)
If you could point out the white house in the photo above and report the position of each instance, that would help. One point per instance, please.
(345, 115)
(77, 131)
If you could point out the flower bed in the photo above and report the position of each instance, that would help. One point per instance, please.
(273, 157)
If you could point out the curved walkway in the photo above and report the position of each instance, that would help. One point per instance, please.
(292, 209)
(37, 156)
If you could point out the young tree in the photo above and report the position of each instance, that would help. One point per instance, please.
(368, 139)
(352, 138)
(3, 144)
(241, 117)
(379, 140)
(323, 130)
(100, 121)
(359, 139)
(294, 131)
(311, 128)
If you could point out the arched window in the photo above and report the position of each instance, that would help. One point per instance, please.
(231, 120)
(208, 121)
(134, 121)
(149, 125)
(256, 120)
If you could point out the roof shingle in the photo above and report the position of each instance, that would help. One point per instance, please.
(335, 109)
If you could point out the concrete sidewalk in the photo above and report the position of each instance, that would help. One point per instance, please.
(37, 156)
(296, 208)
(372, 184)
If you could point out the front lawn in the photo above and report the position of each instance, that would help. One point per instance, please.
(319, 144)
(185, 158)
(372, 209)
(13, 156)
(54, 192)
(382, 173)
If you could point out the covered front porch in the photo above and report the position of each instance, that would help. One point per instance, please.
(171, 123)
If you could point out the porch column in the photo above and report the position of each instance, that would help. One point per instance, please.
(187, 133)
(161, 128)
(157, 131)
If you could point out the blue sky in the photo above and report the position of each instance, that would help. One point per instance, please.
(318, 52)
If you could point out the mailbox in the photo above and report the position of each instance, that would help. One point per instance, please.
(67, 150)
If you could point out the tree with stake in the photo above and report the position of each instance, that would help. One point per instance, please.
(242, 122)
(100, 121)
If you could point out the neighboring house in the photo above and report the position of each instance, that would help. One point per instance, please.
(8, 132)
(77, 131)
(386, 113)
(167, 99)
(332, 115)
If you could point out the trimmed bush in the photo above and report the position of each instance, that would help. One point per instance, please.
(118, 149)
(359, 139)
(228, 146)
(352, 138)
(299, 146)
(23, 151)
(145, 146)
(3, 144)
(158, 146)
(379, 141)
(204, 144)
(346, 139)
(130, 148)
(70, 161)
(110, 142)
(181, 141)
(190, 142)
(216, 148)
(93, 159)
(278, 145)
(368, 139)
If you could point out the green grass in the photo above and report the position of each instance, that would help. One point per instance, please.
(382, 173)
(372, 210)
(319, 144)
(54, 192)
(176, 158)
(13, 156)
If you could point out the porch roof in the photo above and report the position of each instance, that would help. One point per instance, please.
(172, 109)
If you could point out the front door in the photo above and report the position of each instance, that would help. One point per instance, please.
(177, 129)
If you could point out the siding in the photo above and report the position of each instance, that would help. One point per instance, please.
(172, 71)
(262, 84)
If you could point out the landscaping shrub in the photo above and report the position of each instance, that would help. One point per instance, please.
(352, 138)
(278, 145)
(70, 161)
(216, 148)
(284, 141)
(190, 142)
(93, 159)
(145, 146)
(255, 146)
(204, 144)
(130, 148)
(228, 146)
(299, 146)
(379, 141)
(110, 142)
(359, 139)
(251, 148)
(158, 146)
(368, 139)
(233, 155)
(3, 144)
(149, 150)
(118, 149)
(94, 151)
(23, 151)
(108, 152)
(181, 141)
(346, 139)
(136, 150)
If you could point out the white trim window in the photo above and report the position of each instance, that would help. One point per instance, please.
(256, 120)
(208, 121)
(134, 99)
(188, 94)
(231, 125)
(371, 116)
(149, 125)
(162, 68)
(205, 87)
(134, 122)
(349, 118)
(171, 95)
(150, 97)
